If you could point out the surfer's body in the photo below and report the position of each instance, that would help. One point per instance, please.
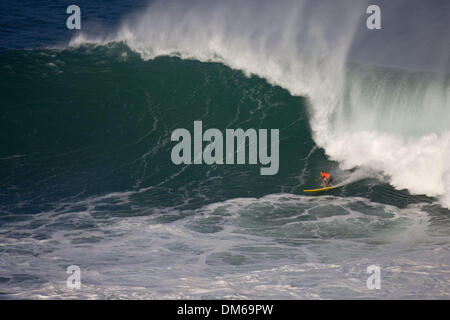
(327, 179)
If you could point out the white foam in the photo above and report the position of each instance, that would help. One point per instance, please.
(418, 164)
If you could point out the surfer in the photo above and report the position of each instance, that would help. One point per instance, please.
(327, 179)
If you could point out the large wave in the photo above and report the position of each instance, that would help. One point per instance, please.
(390, 120)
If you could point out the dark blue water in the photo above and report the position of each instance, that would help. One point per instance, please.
(31, 24)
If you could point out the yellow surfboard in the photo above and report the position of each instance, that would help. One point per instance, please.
(320, 189)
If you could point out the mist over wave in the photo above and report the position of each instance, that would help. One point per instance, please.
(389, 120)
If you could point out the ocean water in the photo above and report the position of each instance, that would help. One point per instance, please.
(86, 176)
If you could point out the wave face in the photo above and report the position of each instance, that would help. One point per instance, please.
(86, 176)
(388, 120)
(98, 120)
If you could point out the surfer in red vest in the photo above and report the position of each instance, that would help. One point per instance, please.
(326, 179)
